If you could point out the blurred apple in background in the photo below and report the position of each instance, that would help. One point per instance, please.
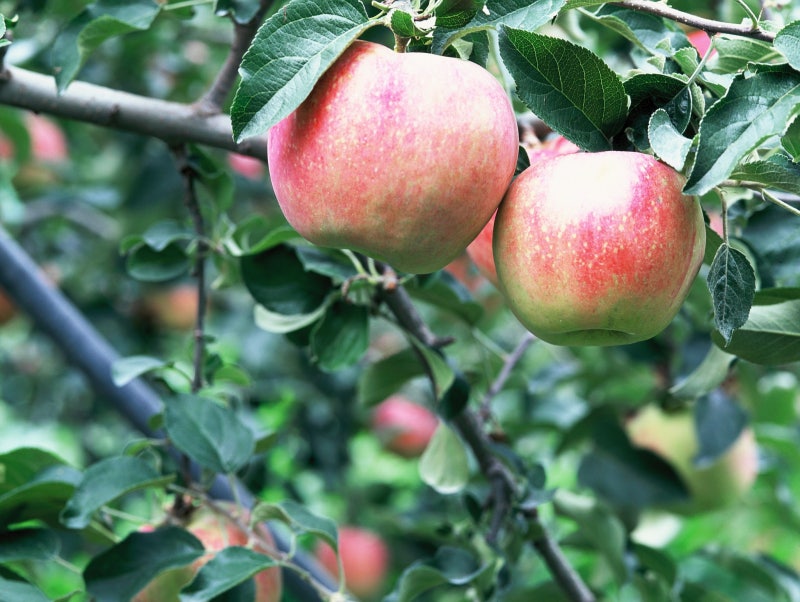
(700, 40)
(48, 143)
(249, 167)
(174, 308)
(673, 436)
(7, 309)
(404, 427)
(365, 560)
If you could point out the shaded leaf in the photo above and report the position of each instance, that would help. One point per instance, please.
(299, 518)
(21, 591)
(666, 141)
(788, 42)
(754, 109)
(567, 86)
(790, 141)
(242, 10)
(732, 283)
(436, 368)
(382, 378)
(28, 544)
(778, 171)
(444, 464)
(104, 482)
(341, 337)
(229, 567)
(148, 265)
(118, 573)
(290, 52)
(126, 369)
(719, 422)
(710, 374)
(209, 433)
(282, 324)
(647, 31)
(450, 566)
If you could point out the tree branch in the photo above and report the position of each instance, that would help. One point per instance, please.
(508, 366)
(175, 123)
(243, 33)
(660, 9)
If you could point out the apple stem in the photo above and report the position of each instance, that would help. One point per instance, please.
(400, 43)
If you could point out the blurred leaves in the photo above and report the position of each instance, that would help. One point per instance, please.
(444, 464)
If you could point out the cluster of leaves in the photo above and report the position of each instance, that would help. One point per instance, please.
(726, 121)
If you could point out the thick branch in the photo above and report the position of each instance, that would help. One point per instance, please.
(173, 122)
(661, 9)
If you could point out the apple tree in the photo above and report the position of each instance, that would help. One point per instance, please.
(401, 300)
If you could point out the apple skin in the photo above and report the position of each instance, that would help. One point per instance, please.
(673, 437)
(405, 427)
(365, 560)
(216, 533)
(700, 40)
(248, 167)
(402, 157)
(597, 248)
(480, 249)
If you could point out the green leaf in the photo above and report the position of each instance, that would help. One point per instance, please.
(732, 284)
(645, 30)
(28, 544)
(583, 3)
(521, 14)
(770, 336)
(444, 464)
(242, 10)
(778, 171)
(21, 591)
(277, 280)
(120, 572)
(332, 263)
(774, 238)
(719, 423)
(790, 141)
(754, 109)
(101, 20)
(148, 265)
(454, 14)
(388, 375)
(126, 369)
(436, 368)
(290, 52)
(709, 375)
(106, 481)
(450, 566)
(341, 337)
(403, 25)
(209, 433)
(788, 42)
(249, 238)
(35, 484)
(160, 235)
(299, 519)
(281, 324)
(735, 53)
(567, 86)
(445, 292)
(666, 141)
(229, 567)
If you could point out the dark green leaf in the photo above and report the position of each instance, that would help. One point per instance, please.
(159, 236)
(28, 544)
(277, 280)
(776, 172)
(229, 567)
(386, 376)
(445, 292)
(291, 51)
(341, 337)
(774, 237)
(299, 518)
(567, 86)
(754, 109)
(209, 433)
(719, 423)
(403, 25)
(655, 34)
(249, 238)
(148, 265)
(104, 482)
(436, 368)
(770, 336)
(519, 14)
(666, 141)
(788, 42)
(790, 141)
(101, 20)
(444, 464)
(117, 574)
(454, 14)
(450, 566)
(281, 324)
(242, 10)
(736, 53)
(455, 398)
(332, 263)
(732, 283)
(709, 375)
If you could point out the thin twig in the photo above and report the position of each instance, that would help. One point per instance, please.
(661, 9)
(243, 33)
(499, 382)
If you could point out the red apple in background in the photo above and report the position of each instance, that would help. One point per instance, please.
(403, 157)
(700, 40)
(365, 560)
(673, 437)
(173, 308)
(249, 167)
(7, 309)
(405, 427)
(48, 143)
(480, 249)
(216, 532)
(597, 248)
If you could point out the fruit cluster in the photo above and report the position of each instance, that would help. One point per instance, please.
(407, 157)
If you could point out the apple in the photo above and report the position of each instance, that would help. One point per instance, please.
(404, 427)
(673, 437)
(174, 308)
(365, 560)
(48, 143)
(216, 532)
(597, 248)
(402, 157)
(480, 249)
(249, 167)
(700, 40)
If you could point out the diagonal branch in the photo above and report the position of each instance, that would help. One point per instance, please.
(661, 9)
